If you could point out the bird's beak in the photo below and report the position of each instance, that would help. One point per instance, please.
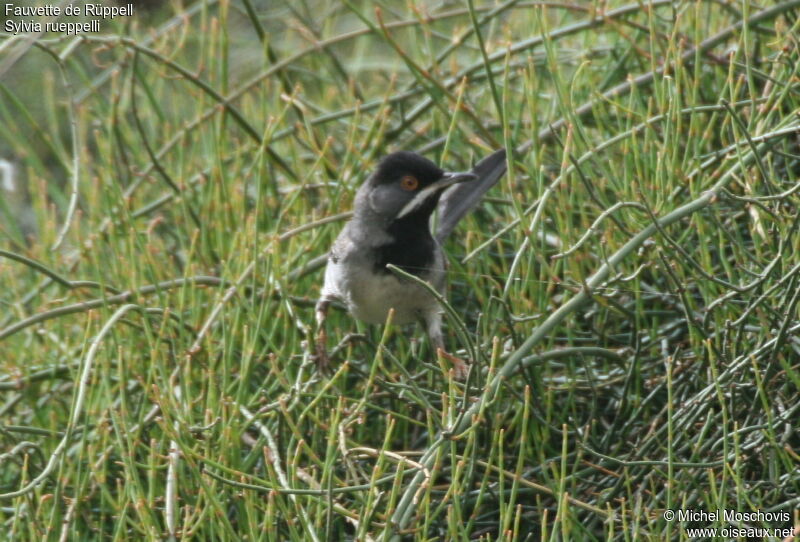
(447, 180)
(451, 178)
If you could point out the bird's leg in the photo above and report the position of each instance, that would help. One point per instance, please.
(321, 313)
(434, 323)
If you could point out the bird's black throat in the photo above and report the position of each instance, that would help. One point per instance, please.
(412, 248)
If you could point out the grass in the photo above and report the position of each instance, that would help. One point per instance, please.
(629, 290)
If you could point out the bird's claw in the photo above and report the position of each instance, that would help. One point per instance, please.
(321, 351)
(460, 367)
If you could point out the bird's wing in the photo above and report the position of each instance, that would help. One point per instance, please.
(459, 199)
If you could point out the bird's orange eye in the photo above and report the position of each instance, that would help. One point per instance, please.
(409, 183)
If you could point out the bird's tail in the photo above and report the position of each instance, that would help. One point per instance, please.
(459, 199)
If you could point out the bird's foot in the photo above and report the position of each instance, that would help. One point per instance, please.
(321, 351)
(460, 367)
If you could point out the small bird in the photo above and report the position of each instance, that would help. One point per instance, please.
(391, 225)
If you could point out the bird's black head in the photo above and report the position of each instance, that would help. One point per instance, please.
(405, 184)
(393, 167)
